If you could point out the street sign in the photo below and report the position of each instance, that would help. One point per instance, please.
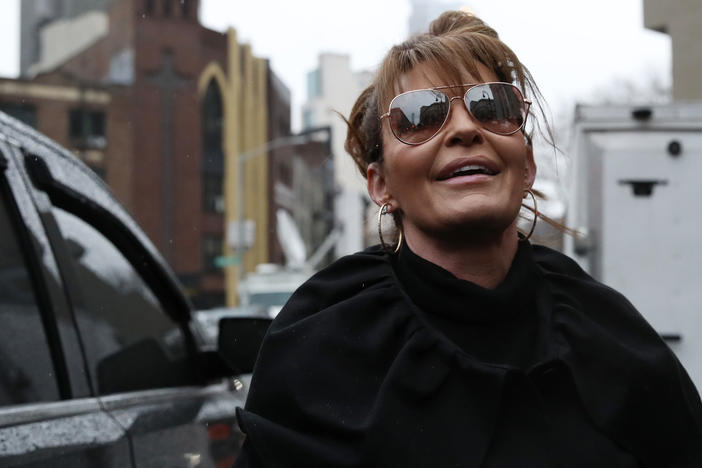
(248, 230)
(223, 261)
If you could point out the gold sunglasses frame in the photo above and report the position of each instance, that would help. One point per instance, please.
(462, 97)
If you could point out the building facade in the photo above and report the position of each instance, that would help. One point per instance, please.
(332, 89)
(35, 14)
(681, 19)
(161, 107)
(426, 11)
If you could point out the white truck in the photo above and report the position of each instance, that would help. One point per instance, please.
(636, 195)
(270, 287)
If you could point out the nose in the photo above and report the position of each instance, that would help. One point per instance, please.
(461, 128)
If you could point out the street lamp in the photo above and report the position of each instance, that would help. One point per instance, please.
(241, 159)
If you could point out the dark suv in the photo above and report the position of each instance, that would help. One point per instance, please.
(101, 364)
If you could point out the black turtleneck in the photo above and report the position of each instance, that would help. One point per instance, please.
(508, 327)
(501, 326)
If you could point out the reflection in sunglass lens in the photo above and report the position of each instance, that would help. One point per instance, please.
(417, 116)
(499, 107)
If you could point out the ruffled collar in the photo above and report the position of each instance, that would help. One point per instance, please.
(437, 291)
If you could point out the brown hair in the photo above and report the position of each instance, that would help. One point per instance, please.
(456, 41)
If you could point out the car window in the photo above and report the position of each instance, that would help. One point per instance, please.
(26, 369)
(130, 342)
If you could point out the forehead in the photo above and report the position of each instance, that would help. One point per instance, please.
(425, 76)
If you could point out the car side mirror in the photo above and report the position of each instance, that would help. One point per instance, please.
(239, 340)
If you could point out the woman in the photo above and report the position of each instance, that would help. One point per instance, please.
(461, 345)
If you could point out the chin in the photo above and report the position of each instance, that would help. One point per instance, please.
(488, 215)
(475, 224)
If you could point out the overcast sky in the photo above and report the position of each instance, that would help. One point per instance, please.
(572, 48)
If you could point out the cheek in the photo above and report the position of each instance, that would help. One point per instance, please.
(516, 155)
(389, 145)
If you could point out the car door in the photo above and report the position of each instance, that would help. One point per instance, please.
(47, 414)
(139, 362)
(134, 324)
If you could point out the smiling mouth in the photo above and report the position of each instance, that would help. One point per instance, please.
(469, 170)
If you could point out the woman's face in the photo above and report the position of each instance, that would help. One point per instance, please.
(416, 179)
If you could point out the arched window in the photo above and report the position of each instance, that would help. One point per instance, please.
(212, 152)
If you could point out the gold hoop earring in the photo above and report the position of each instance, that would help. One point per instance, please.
(534, 210)
(383, 211)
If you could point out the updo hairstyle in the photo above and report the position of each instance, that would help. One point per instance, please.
(456, 42)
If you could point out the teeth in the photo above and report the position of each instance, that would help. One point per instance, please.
(472, 168)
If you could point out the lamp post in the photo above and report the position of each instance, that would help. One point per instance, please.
(241, 159)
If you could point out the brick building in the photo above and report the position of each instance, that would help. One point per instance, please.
(161, 107)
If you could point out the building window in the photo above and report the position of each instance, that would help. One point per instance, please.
(308, 118)
(212, 199)
(23, 112)
(314, 84)
(212, 121)
(211, 249)
(87, 129)
(285, 174)
(149, 7)
(212, 153)
(185, 8)
(166, 7)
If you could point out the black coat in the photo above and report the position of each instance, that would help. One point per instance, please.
(393, 362)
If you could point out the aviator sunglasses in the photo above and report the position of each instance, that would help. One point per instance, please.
(415, 117)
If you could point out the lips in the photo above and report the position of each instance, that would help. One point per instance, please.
(467, 167)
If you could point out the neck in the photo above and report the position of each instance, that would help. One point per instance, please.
(483, 260)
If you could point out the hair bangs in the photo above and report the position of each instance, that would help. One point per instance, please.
(456, 44)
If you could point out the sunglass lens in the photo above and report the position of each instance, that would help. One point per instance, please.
(499, 107)
(416, 116)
